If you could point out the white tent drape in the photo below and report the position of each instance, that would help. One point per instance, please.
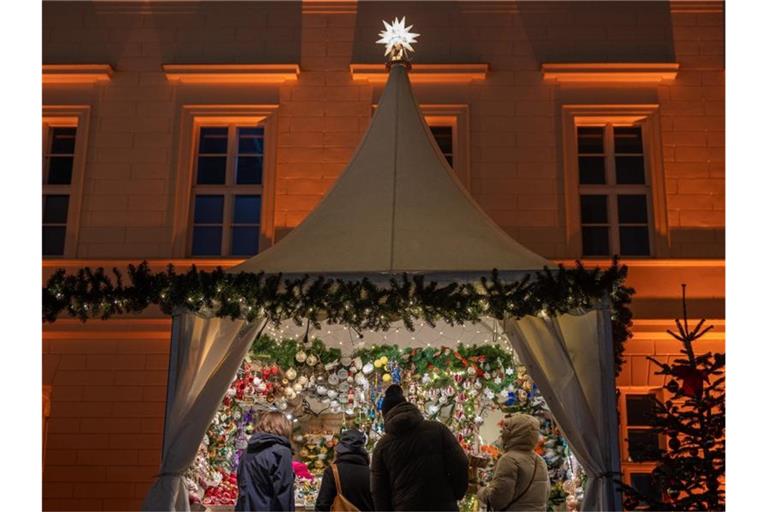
(570, 358)
(205, 355)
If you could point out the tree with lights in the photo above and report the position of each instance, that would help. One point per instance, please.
(691, 473)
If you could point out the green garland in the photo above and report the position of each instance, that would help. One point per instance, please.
(360, 304)
(283, 353)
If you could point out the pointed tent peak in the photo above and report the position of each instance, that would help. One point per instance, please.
(397, 207)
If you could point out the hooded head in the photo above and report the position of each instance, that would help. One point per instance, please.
(392, 397)
(351, 444)
(519, 432)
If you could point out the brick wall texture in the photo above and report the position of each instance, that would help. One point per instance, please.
(515, 134)
(108, 378)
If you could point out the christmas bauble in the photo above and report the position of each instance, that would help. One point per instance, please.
(311, 359)
(367, 369)
(301, 356)
(290, 373)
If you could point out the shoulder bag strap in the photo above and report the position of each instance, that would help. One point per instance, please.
(533, 477)
(336, 479)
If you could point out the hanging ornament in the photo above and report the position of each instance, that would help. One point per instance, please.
(311, 360)
(342, 374)
(301, 356)
(290, 373)
(386, 378)
(358, 363)
(346, 361)
(377, 363)
(333, 379)
(367, 369)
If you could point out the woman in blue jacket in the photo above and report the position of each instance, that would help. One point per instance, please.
(265, 475)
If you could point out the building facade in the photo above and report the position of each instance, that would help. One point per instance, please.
(203, 132)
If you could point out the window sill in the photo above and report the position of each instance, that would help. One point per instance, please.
(610, 72)
(230, 73)
(423, 73)
(76, 73)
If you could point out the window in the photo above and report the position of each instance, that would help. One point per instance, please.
(227, 190)
(63, 148)
(612, 191)
(641, 448)
(615, 200)
(444, 137)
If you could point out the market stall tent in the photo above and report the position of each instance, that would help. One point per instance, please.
(398, 208)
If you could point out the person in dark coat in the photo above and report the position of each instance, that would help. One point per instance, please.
(417, 464)
(264, 474)
(352, 463)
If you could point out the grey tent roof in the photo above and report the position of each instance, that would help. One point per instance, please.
(397, 207)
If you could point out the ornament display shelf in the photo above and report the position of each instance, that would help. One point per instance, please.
(324, 392)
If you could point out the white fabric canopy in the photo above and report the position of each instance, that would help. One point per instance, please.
(398, 207)
(205, 355)
(570, 358)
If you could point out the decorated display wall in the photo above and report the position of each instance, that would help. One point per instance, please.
(461, 386)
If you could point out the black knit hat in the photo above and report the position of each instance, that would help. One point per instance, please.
(392, 397)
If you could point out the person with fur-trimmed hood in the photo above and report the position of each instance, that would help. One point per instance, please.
(520, 478)
(418, 464)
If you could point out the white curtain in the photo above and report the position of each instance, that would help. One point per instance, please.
(570, 358)
(205, 355)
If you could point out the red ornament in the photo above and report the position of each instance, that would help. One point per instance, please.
(693, 380)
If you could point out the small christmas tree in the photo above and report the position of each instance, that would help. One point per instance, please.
(691, 473)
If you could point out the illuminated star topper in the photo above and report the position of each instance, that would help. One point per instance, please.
(398, 40)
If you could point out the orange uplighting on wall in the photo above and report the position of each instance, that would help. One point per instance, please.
(230, 73)
(76, 73)
(423, 73)
(610, 72)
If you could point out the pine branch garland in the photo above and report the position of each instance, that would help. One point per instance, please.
(360, 305)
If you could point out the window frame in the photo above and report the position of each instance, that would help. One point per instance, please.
(457, 117)
(72, 116)
(645, 116)
(629, 467)
(193, 118)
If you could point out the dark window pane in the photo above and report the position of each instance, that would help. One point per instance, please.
(53, 240)
(633, 209)
(245, 240)
(206, 241)
(630, 170)
(211, 170)
(594, 241)
(247, 210)
(643, 445)
(55, 209)
(590, 139)
(249, 170)
(213, 140)
(60, 170)
(591, 170)
(444, 138)
(594, 209)
(250, 140)
(628, 139)
(645, 485)
(640, 409)
(634, 241)
(63, 140)
(209, 209)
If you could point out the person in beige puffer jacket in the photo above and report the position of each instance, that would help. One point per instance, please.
(520, 478)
